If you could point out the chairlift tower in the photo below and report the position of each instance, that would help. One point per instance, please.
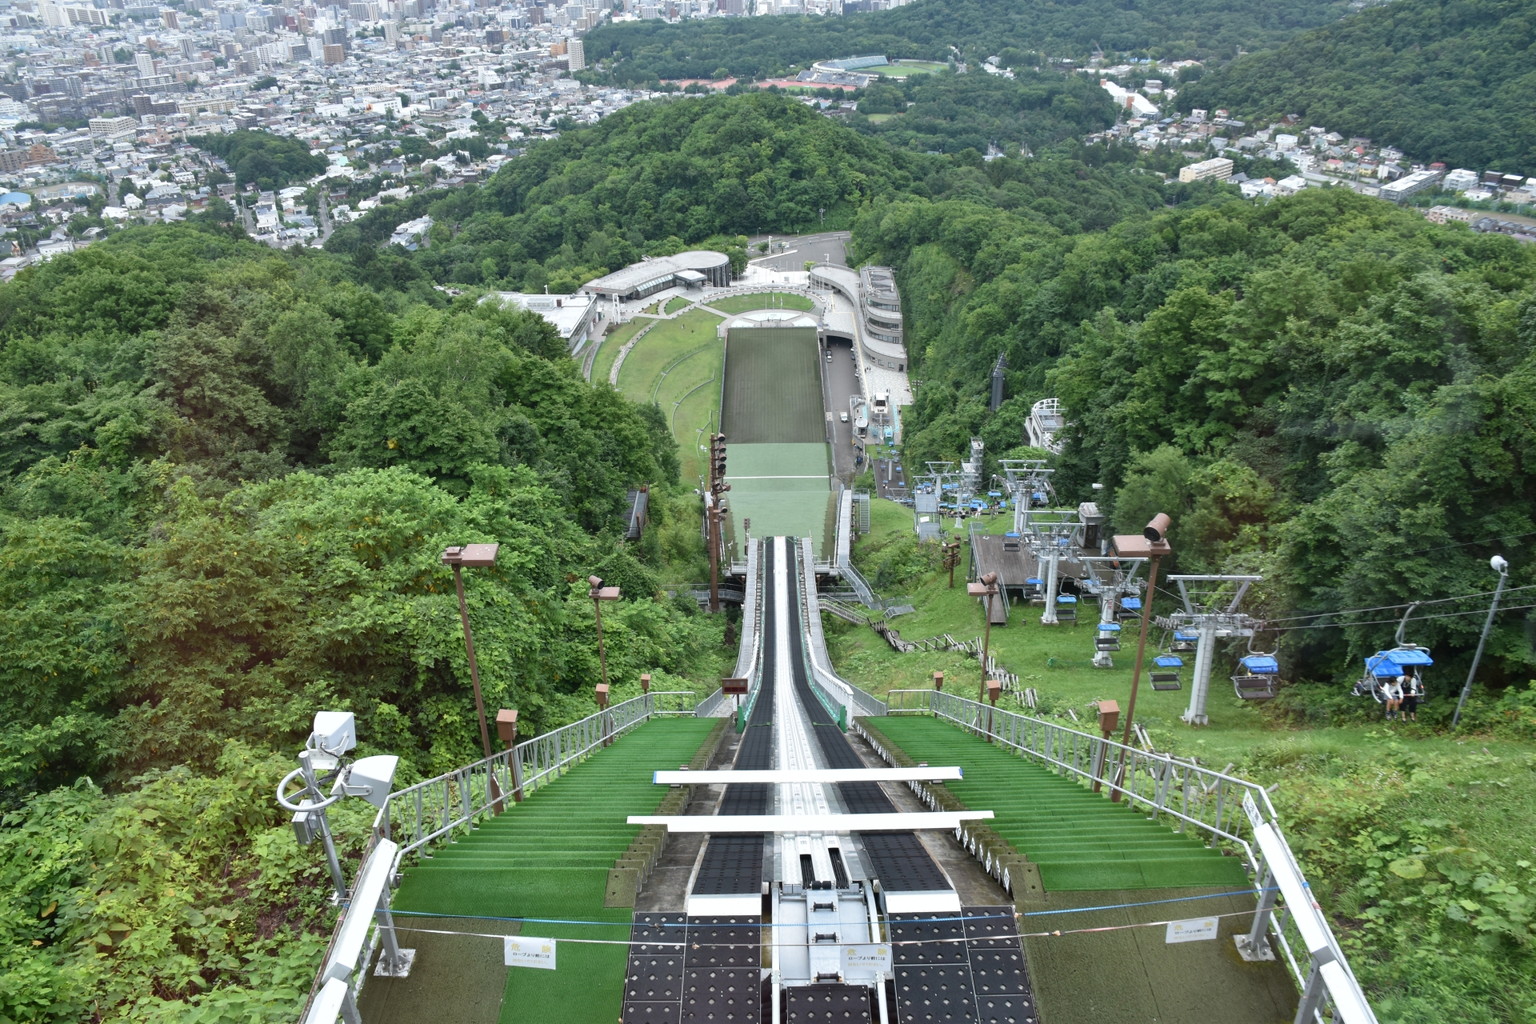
(1210, 608)
(1109, 579)
(928, 492)
(1028, 483)
(970, 470)
(1049, 534)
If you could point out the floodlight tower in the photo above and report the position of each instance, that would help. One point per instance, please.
(1210, 607)
(1109, 579)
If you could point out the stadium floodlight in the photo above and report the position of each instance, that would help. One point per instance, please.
(474, 556)
(1151, 545)
(332, 737)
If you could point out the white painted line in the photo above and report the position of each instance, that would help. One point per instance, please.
(822, 775)
(782, 824)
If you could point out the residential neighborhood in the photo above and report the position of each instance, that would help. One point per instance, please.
(100, 107)
(1211, 139)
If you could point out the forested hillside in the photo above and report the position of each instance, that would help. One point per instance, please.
(660, 177)
(949, 113)
(228, 475)
(1020, 34)
(1443, 80)
(1326, 389)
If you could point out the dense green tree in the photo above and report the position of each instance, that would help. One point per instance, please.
(262, 159)
(1441, 81)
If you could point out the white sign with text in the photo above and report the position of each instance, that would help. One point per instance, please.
(1196, 929)
(528, 951)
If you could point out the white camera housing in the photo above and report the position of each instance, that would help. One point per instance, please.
(334, 733)
(371, 778)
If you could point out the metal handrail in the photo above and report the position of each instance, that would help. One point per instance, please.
(429, 810)
(1229, 810)
(455, 800)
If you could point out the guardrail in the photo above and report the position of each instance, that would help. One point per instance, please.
(1232, 813)
(837, 689)
(431, 810)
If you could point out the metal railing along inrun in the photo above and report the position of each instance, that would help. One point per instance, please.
(434, 809)
(1232, 814)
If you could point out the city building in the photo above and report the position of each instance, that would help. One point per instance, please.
(1216, 167)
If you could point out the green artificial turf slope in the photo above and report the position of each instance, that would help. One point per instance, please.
(548, 858)
(1078, 839)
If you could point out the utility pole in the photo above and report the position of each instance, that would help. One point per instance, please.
(951, 559)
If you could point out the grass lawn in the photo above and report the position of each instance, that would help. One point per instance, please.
(610, 349)
(904, 68)
(661, 350)
(676, 303)
(760, 300)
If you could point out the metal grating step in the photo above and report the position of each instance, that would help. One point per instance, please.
(653, 985)
(827, 1004)
(732, 865)
(902, 865)
(724, 942)
(935, 994)
(723, 995)
(928, 939)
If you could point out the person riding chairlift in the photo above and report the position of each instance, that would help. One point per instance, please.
(1413, 692)
(1392, 695)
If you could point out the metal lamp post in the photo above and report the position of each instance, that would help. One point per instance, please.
(1152, 545)
(1500, 566)
(599, 594)
(986, 587)
(473, 556)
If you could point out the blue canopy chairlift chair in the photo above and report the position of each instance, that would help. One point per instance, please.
(1183, 641)
(1165, 671)
(1130, 608)
(1034, 589)
(1066, 608)
(1257, 678)
(1406, 660)
(1109, 637)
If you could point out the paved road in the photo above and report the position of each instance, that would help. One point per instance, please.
(790, 252)
(839, 383)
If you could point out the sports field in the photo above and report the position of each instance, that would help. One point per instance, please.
(759, 300)
(776, 428)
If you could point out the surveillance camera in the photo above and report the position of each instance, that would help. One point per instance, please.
(594, 581)
(1157, 529)
(1499, 564)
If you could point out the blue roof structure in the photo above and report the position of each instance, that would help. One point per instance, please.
(1109, 627)
(1260, 665)
(1132, 604)
(1168, 661)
